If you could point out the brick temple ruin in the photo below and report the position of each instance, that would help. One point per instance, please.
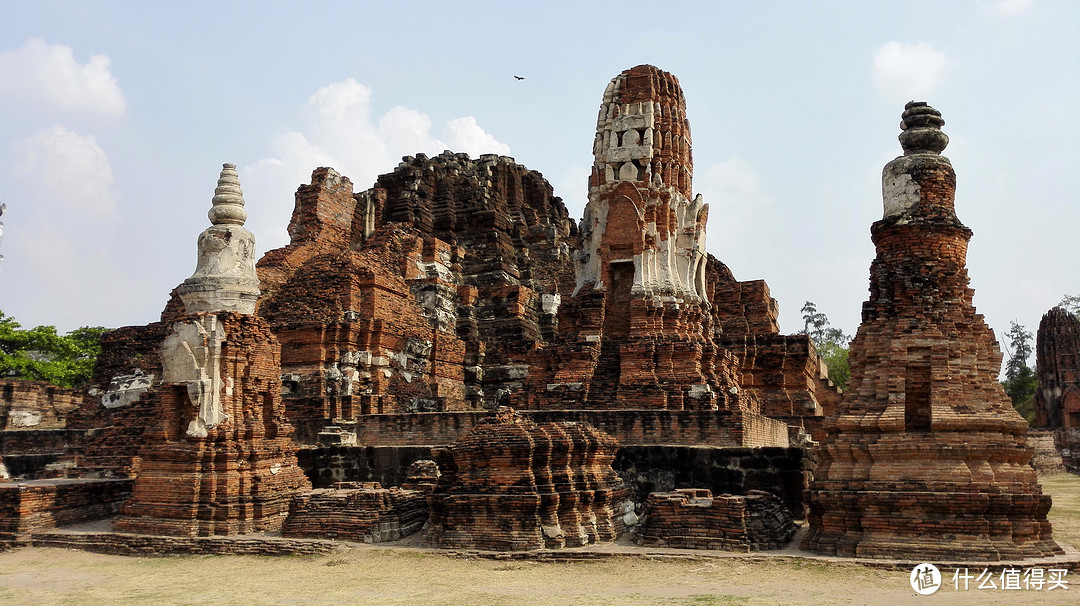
(561, 375)
(1057, 399)
(925, 456)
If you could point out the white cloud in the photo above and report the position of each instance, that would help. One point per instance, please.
(71, 280)
(341, 132)
(908, 71)
(39, 73)
(464, 134)
(65, 167)
(1011, 7)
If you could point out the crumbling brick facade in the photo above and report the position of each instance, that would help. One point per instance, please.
(422, 294)
(925, 457)
(351, 511)
(514, 485)
(36, 405)
(1057, 347)
(692, 518)
(240, 476)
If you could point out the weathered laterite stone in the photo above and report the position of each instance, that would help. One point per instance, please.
(1057, 347)
(925, 456)
(514, 485)
(692, 518)
(351, 511)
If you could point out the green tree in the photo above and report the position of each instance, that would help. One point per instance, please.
(1020, 380)
(832, 343)
(40, 354)
(1071, 303)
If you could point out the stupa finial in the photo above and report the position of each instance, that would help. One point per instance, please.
(228, 199)
(922, 129)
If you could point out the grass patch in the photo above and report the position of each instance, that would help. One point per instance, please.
(1064, 488)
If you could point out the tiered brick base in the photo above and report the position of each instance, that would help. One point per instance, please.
(692, 518)
(355, 511)
(242, 475)
(513, 485)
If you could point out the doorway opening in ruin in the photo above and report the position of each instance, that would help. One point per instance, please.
(617, 312)
(917, 414)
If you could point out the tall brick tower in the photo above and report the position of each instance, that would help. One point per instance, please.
(1057, 346)
(218, 458)
(638, 329)
(925, 457)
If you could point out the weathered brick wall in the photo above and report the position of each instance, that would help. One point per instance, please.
(693, 518)
(387, 465)
(1067, 442)
(785, 472)
(514, 485)
(35, 405)
(421, 294)
(31, 454)
(660, 427)
(28, 507)
(1057, 347)
(240, 475)
(349, 511)
(122, 400)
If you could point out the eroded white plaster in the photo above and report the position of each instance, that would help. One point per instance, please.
(191, 356)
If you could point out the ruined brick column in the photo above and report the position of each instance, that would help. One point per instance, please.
(925, 457)
(1057, 399)
(219, 458)
(639, 323)
(1057, 347)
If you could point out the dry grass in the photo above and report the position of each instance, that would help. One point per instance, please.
(1065, 513)
(372, 575)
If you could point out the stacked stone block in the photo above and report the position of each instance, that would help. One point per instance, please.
(514, 485)
(356, 511)
(925, 456)
(692, 518)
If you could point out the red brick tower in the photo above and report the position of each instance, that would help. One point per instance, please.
(925, 457)
(219, 458)
(638, 330)
(1057, 401)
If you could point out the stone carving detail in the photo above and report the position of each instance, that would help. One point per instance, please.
(925, 456)
(224, 278)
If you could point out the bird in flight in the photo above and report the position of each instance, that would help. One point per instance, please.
(519, 77)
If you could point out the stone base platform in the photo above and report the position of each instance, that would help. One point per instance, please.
(96, 538)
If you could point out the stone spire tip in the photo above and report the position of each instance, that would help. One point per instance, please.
(228, 200)
(922, 129)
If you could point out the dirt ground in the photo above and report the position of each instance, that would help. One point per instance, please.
(379, 575)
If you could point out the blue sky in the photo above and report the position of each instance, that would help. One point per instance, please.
(118, 116)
